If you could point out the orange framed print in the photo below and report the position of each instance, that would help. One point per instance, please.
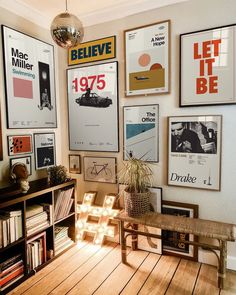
(207, 67)
(147, 51)
(19, 144)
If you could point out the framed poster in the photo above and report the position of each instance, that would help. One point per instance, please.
(207, 67)
(93, 108)
(141, 132)
(100, 169)
(25, 160)
(45, 153)
(19, 144)
(169, 243)
(194, 151)
(74, 164)
(29, 81)
(95, 50)
(147, 66)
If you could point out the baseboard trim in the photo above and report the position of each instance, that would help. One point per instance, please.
(210, 258)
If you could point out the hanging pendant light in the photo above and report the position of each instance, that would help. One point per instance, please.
(67, 30)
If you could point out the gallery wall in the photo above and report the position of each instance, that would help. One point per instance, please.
(186, 17)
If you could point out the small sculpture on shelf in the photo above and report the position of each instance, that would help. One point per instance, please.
(19, 174)
(57, 174)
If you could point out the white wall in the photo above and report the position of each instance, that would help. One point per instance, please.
(186, 17)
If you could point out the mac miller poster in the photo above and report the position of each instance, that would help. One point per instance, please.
(147, 59)
(93, 108)
(141, 132)
(29, 81)
(195, 151)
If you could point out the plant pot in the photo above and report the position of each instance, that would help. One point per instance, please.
(136, 204)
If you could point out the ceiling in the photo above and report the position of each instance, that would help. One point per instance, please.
(90, 12)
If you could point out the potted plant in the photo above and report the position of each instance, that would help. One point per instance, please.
(57, 174)
(137, 176)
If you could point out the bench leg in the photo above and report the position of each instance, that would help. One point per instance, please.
(134, 238)
(222, 264)
(122, 242)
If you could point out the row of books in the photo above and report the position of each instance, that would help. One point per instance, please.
(36, 251)
(38, 216)
(63, 203)
(10, 227)
(11, 270)
(62, 240)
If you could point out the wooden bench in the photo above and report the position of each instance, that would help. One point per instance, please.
(220, 231)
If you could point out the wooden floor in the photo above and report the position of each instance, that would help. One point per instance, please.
(89, 269)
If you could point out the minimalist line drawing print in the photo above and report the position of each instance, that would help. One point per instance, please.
(99, 169)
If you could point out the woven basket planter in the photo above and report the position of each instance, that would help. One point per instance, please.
(137, 204)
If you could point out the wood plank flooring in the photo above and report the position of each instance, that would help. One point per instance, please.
(89, 269)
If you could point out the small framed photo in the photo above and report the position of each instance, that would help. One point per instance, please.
(194, 152)
(100, 169)
(19, 144)
(45, 153)
(25, 160)
(169, 244)
(141, 132)
(207, 67)
(147, 51)
(74, 164)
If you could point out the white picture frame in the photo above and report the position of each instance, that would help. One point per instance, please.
(141, 132)
(45, 152)
(194, 151)
(93, 107)
(29, 81)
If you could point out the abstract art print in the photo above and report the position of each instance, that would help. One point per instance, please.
(19, 144)
(29, 81)
(147, 51)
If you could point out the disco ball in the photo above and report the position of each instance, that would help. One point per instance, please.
(67, 30)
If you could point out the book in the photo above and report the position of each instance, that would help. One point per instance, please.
(33, 210)
(11, 268)
(11, 282)
(11, 275)
(10, 261)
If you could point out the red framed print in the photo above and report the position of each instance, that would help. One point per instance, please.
(207, 67)
(19, 144)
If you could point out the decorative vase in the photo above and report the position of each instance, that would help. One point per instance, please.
(136, 204)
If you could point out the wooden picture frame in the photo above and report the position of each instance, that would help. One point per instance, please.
(25, 160)
(45, 150)
(93, 108)
(29, 81)
(1, 149)
(100, 169)
(19, 144)
(176, 248)
(207, 67)
(74, 164)
(141, 132)
(194, 151)
(147, 59)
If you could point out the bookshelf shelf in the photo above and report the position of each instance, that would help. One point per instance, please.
(30, 235)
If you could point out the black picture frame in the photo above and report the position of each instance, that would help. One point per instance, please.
(25, 160)
(169, 245)
(209, 54)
